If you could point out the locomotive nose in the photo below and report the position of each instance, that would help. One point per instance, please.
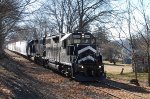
(86, 54)
(86, 60)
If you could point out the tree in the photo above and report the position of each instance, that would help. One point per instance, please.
(123, 25)
(111, 51)
(90, 11)
(101, 35)
(72, 15)
(10, 13)
(130, 23)
(145, 32)
(54, 13)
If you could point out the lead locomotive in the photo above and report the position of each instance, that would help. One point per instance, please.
(73, 54)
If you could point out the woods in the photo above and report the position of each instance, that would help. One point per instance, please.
(10, 13)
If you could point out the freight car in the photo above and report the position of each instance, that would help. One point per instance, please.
(72, 54)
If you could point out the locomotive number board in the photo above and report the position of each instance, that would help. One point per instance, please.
(87, 36)
(79, 36)
(76, 36)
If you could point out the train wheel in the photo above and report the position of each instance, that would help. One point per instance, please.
(35, 59)
(60, 68)
(43, 63)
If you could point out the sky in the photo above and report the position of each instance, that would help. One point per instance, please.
(120, 24)
(34, 6)
(136, 18)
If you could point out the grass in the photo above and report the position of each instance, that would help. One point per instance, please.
(125, 76)
(129, 76)
(119, 63)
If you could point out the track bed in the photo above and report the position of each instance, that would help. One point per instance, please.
(21, 78)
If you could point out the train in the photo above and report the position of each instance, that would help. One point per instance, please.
(72, 54)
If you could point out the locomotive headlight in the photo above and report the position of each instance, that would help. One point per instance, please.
(82, 35)
(81, 66)
(99, 66)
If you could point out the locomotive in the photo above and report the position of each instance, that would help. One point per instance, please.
(73, 54)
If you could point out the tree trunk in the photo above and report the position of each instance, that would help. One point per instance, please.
(81, 14)
(148, 69)
(2, 55)
(1, 41)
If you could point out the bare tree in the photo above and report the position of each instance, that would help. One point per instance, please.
(71, 15)
(90, 11)
(10, 13)
(111, 51)
(144, 35)
(54, 12)
(101, 35)
(134, 25)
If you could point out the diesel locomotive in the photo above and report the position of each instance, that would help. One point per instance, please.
(73, 54)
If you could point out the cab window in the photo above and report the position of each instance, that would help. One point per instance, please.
(86, 41)
(77, 41)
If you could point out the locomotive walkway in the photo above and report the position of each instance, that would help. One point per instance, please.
(22, 79)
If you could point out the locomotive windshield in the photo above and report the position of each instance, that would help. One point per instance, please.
(76, 40)
(83, 38)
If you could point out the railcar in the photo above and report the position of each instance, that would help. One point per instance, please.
(19, 47)
(73, 54)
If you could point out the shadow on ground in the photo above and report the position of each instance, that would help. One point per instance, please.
(22, 85)
(131, 88)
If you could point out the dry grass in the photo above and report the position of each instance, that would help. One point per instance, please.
(116, 69)
(113, 71)
(128, 76)
(117, 63)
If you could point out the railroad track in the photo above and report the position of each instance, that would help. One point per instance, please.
(127, 93)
